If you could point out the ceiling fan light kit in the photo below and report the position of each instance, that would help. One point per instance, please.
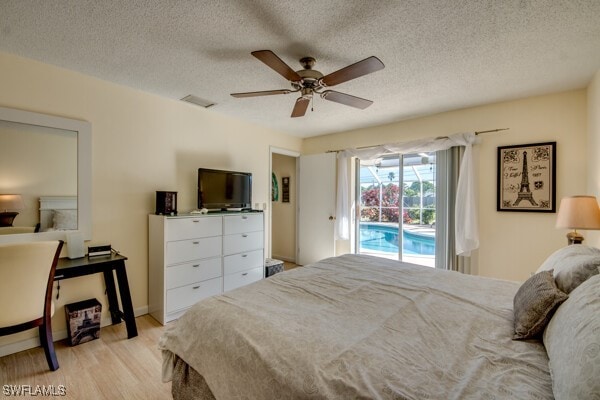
(309, 81)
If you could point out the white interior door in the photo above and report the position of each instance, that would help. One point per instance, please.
(316, 210)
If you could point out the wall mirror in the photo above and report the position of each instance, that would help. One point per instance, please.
(45, 163)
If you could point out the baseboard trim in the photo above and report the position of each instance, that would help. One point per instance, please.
(31, 343)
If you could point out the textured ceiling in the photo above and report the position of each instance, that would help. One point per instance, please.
(438, 55)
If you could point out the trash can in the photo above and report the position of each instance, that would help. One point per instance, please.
(83, 321)
(273, 266)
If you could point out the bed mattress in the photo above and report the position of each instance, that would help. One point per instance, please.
(357, 327)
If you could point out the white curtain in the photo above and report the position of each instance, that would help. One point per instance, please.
(467, 234)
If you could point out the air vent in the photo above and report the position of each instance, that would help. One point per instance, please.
(198, 101)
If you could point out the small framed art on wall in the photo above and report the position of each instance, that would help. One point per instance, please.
(527, 177)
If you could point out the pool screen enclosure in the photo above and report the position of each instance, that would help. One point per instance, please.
(397, 194)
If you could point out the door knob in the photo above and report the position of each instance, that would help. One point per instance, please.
(331, 217)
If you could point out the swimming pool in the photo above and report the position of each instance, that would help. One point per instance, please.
(384, 238)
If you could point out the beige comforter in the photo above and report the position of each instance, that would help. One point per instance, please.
(360, 327)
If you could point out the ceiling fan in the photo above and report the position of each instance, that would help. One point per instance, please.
(309, 81)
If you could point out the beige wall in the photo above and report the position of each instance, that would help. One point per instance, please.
(38, 162)
(512, 244)
(283, 239)
(141, 143)
(593, 148)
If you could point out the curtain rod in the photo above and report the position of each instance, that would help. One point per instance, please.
(492, 130)
(440, 137)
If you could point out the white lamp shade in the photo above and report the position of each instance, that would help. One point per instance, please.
(578, 212)
(11, 202)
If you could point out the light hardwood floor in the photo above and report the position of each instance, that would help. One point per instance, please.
(289, 265)
(111, 367)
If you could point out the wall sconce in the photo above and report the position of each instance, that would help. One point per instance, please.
(578, 212)
(10, 202)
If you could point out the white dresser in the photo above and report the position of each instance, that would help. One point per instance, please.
(192, 257)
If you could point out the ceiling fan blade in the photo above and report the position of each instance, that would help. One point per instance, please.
(364, 67)
(275, 63)
(346, 99)
(300, 107)
(262, 93)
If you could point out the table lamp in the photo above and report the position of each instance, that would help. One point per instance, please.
(578, 212)
(9, 202)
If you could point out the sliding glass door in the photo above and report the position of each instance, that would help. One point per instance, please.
(393, 222)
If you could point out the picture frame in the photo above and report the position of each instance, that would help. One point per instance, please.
(526, 178)
(285, 189)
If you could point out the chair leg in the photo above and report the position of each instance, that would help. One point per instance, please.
(48, 345)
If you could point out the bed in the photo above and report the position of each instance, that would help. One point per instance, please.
(361, 327)
(58, 213)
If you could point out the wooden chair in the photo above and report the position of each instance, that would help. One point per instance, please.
(26, 280)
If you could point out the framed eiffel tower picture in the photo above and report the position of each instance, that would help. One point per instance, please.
(527, 177)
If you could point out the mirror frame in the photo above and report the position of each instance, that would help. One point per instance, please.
(84, 171)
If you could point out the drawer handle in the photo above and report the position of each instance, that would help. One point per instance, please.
(195, 220)
(195, 242)
(196, 265)
(196, 287)
(244, 217)
(244, 235)
(244, 274)
(244, 255)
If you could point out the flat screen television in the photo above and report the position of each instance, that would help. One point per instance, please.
(224, 190)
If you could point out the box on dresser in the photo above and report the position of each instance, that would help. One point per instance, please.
(192, 257)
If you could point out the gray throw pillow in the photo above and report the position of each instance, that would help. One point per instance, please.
(575, 271)
(572, 340)
(572, 265)
(535, 302)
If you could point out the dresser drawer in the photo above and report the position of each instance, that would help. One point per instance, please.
(194, 227)
(242, 278)
(242, 242)
(187, 296)
(195, 271)
(242, 261)
(194, 249)
(242, 223)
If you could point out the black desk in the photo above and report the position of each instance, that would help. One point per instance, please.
(67, 268)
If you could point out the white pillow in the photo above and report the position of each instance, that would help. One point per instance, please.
(572, 265)
(572, 340)
(64, 219)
